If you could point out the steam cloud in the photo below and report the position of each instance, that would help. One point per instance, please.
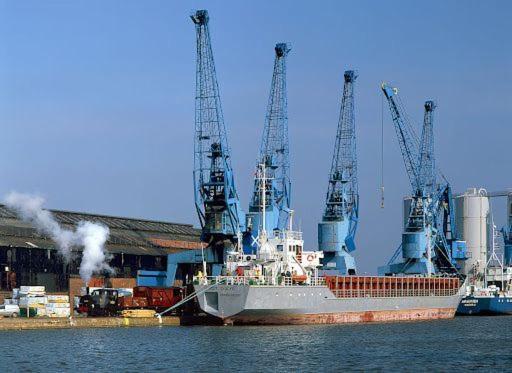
(91, 236)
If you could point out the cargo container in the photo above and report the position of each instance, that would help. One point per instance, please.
(158, 298)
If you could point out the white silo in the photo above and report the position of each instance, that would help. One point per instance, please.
(471, 212)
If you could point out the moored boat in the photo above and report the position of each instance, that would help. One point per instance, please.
(329, 300)
(489, 301)
(284, 284)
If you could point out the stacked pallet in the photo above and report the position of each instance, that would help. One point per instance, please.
(31, 300)
(138, 313)
(58, 306)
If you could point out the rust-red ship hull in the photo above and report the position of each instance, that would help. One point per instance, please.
(343, 317)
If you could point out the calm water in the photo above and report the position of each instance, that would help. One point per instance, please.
(483, 343)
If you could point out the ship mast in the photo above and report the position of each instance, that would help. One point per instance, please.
(262, 234)
(263, 187)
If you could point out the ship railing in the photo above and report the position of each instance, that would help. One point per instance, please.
(260, 281)
(294, 235)
(392, 293)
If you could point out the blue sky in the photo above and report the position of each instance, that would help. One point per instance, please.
(97, 100)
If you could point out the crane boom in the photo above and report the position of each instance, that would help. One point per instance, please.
(342, 192)
(336, 232)
(406, 135)
(215, 194)
(427, 168)
(274, 153)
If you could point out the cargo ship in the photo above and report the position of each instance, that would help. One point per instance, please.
(282, 284)
(257, 301)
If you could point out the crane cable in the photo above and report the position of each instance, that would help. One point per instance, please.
(382, 151)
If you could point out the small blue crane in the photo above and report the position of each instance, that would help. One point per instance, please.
(216, 198)
(336, 231)
(274, 156)
(429, 240)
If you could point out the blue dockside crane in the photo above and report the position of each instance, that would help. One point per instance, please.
(429, 241)
(216, 199)
(336, 231)
(274, 155)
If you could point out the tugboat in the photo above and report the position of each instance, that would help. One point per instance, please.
(495, 297)
(281, 284)
(489, 301)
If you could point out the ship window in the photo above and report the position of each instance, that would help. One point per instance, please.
(279, 247)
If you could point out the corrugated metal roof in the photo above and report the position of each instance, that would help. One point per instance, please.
(127, 235)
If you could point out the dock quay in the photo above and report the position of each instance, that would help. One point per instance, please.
(85, 322)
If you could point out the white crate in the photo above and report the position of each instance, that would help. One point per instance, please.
(58, 298)
(32, 289)
(53, 306)
(58, 312)
(41, 311)
(32, 301)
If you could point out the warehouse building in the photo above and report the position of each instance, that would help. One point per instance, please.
(28, 257)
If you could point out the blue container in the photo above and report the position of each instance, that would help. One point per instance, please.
(151, 278)
(459, 250)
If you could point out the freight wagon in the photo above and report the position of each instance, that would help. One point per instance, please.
(107, 302)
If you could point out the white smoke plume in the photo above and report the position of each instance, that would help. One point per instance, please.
(92, 237)
(88, 235)
(30, 209)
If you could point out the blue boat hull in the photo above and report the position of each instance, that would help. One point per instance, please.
(485, 306)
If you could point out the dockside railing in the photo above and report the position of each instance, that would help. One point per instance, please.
(259, 281)
(393, 293)
(392, 286)
(351, 286)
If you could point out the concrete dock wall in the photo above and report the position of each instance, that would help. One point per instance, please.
(84, 322)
